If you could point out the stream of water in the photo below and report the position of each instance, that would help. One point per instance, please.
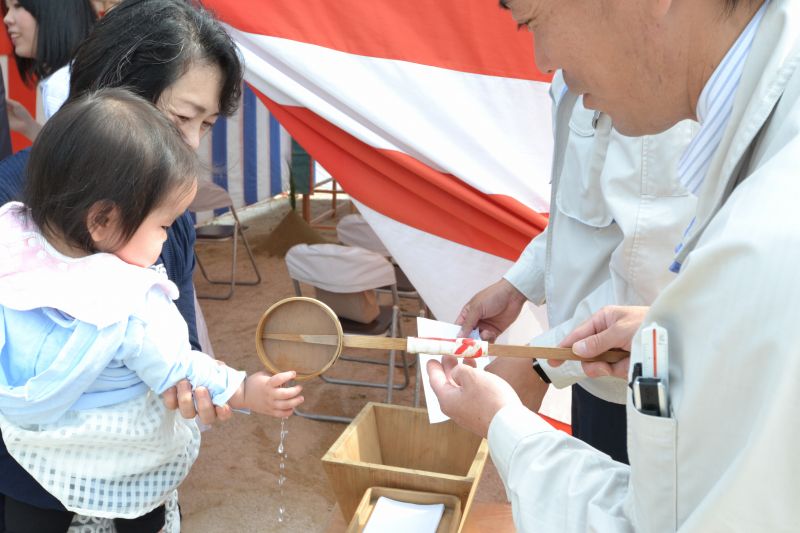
(282, 516)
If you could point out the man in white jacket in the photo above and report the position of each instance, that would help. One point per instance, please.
(723, 457)
(616, 203)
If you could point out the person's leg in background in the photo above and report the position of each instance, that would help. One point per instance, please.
(151, 522)
(23, 518)
(599, 423)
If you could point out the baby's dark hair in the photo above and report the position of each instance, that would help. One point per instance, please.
(110, 148)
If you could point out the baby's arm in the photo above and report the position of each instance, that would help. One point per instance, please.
(166, 357)
(266, 394)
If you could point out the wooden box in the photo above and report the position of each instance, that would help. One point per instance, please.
(395, 447)
(450, 518)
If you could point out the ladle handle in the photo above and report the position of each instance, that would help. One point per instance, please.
(560, 354)
(497, 350)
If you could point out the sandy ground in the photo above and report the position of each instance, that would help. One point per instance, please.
(233, 486)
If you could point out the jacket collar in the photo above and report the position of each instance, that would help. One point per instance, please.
(773, 62)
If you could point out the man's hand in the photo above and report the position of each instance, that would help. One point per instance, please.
(520, 375)
(492, 310)
(180, 397)
(612, 326)
(469, 396)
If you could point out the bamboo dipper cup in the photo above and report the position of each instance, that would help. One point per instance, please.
(304, 334)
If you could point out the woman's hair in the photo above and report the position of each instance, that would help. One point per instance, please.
(146, 45)
(61, 26)
(108, 148)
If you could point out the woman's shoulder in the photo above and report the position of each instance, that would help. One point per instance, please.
(183, 234)
(12, 175)
(177, 254)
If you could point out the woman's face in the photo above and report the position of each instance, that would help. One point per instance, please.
(192, 102)
(21, 28)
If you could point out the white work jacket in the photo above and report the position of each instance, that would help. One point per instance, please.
(726, 458)
(616, 213)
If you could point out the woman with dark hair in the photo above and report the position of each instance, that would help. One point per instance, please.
(162, 50)
(177, 56)
(45, 34)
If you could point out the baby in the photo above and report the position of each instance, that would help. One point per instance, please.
(89, 336)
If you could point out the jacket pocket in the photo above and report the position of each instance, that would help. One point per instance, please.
(652, 442)
(580, 187)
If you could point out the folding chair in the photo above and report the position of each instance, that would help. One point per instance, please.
(353, 230)
(212, 196)
(345, 277)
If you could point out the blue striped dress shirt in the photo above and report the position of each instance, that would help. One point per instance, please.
(714, 108)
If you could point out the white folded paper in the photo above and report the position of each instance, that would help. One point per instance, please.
(433, 328)
(392, 516)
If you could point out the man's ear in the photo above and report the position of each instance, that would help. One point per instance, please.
(102, 222)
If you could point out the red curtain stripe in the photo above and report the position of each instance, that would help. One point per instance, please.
(427, 32)
(472, 37)
(411, 192)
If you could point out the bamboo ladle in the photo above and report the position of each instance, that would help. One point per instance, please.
(304, 334)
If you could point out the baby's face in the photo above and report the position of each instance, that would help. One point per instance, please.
(145, 245)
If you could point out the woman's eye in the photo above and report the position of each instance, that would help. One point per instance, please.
(207, 126)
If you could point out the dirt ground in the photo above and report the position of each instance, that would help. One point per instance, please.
(233, 486)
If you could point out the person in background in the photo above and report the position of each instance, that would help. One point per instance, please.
(616, 204)
(44, 34)
(189, 69)
(712, 432)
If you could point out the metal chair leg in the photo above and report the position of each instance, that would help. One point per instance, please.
(225, 296)
(324, 418)
(237, 233)
(392, 354)
(240, 231)
(395, 329)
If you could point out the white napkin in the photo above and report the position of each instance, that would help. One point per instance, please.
(390, 516)
(433, 328)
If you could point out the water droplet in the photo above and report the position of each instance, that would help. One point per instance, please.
(282, 455)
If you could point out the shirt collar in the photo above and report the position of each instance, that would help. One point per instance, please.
(729, 70)
(714, 107)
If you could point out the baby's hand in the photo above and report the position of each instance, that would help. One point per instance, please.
(265, 394)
